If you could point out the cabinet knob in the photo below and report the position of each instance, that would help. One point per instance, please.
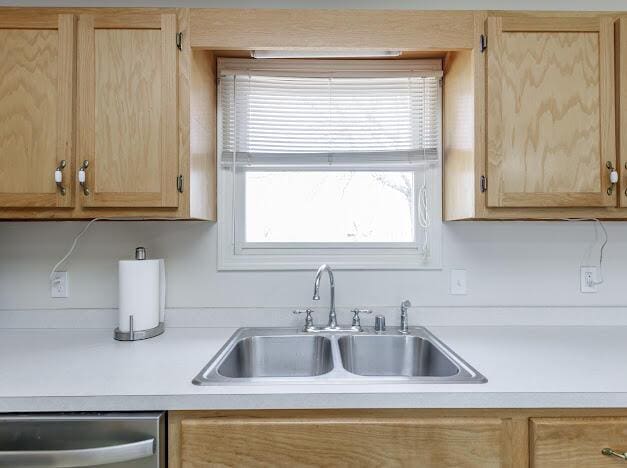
(58, 177)
(82, 177)
(608, 452)
(613, 177)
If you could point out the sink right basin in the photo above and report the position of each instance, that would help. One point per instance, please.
(394, 355)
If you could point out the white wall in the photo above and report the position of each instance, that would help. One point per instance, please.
(509, 263)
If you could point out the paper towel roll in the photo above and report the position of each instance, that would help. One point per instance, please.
(141, 287)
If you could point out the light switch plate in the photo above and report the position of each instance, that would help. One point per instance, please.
(59, 286)
(458, 282)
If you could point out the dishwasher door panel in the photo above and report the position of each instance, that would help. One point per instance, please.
(113, 440)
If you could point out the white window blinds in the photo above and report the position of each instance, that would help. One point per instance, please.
(282, 113)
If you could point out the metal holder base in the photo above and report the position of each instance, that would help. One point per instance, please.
(135, 335)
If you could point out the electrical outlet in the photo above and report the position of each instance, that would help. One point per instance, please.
(59, 286)
(458, 282)
(589, 275)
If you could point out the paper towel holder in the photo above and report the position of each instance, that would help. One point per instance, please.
(135, 335)
(132, 334)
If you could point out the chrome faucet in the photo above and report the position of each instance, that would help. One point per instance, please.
(316, 295)
(404, 318)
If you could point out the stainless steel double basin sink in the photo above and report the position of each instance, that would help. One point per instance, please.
(270, 355)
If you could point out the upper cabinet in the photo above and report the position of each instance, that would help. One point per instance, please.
(128, 132)
(550, 112)
(37, 67)
(621, 74)
(105, 112)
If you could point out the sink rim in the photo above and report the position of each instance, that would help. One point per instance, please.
(208, 375)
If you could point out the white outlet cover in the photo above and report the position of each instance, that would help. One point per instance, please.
(59, 285)
(588, 277)
(458, 282)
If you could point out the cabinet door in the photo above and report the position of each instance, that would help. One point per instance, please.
(550, 112)
(37, 64)
(339, 441)
(128, 127)
(621, 74)
(576, 442)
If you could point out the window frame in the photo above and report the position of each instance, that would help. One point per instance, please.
(234, 253)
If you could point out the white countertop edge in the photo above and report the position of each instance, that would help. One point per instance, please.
(305, 401)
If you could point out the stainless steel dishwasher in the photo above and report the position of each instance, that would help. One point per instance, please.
(129, 440)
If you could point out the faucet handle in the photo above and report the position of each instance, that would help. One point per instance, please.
(406, 304)
(356, 322)
(308, 318)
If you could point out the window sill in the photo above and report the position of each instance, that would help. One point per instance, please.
(260, 262)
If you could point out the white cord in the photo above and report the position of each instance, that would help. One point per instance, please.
(84, 230)
(424, 216)
(588, 251)
(586, 256)
(69, 252)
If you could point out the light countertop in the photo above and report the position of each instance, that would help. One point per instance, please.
(86, 370)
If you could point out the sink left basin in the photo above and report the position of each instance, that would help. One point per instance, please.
(278, 356)
(254, 356)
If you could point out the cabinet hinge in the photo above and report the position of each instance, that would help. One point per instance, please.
(179, 183)
(179, 41)
(483, 184)
(483, 42)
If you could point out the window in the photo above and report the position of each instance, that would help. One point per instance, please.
(329, 161)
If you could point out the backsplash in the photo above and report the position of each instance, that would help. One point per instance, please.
(508, 264)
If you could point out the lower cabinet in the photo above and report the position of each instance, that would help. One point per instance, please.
(577, 442)
(399, 438)
(364, 438)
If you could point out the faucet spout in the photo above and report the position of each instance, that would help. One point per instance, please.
(316, 294)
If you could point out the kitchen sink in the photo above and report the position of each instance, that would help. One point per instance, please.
(289, 355)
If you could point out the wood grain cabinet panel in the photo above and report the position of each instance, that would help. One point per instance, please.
(550, 112)
(621, 95)
(128, 129)
(365, 440)
(37, 68)
(576, 442)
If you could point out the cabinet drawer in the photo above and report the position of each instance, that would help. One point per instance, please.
(343, 441)
(576, 442)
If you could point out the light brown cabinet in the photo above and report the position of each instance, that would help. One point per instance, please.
(542, 94)
(437, 438)
(37, 65)
(338, 438)
(621, 95)
(110, 92)
(576, 442)
(550, 112)
(128, 120)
